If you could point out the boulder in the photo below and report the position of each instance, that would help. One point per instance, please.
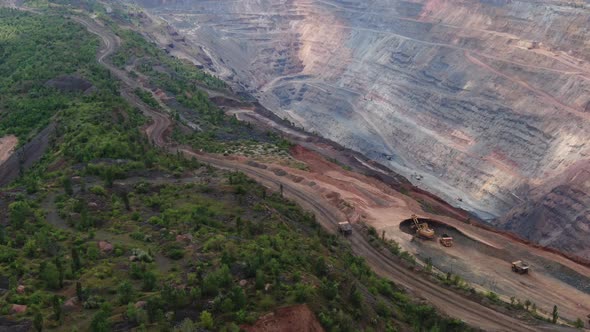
(186, 238)
(140, 304)
(20, 289)
(71, 304)
(105, 247)
(18, 308)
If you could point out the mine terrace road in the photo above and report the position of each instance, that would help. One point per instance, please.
(445, 300)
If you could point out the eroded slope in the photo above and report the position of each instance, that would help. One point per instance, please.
(486, 100)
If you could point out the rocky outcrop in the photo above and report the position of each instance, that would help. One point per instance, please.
(484, 101)
(557, 214)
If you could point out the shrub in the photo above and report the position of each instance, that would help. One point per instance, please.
(493, 296)
(174, 250)
(92, 253)
(149, 281)
(206, 320)
(50, 275)
(126, 292)
(98, 190)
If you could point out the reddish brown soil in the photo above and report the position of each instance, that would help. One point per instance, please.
(297, 318)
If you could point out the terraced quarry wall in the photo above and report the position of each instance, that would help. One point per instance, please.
(486, 102)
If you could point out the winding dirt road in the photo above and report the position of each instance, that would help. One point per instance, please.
(445, 300)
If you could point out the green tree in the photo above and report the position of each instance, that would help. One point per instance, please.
(12, 283)
(355, 296)
(187, 325)
(125, 198)
(49, 274)
(18, 213)
(67, 184)
(227, 305)
(2, 235)
(76, 264)
(428, 264)
(56, 305)
(92, 253)
(329, 289)
(79, 292)
(149, 281)
(554, 315)
(60, 271)
(38, 320)
(239, 297)
(579, 323)
(527, 304)
(206, 320)
(100, 322)
(126, 292)
(260, 279)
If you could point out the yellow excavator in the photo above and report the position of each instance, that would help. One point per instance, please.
(422, 229)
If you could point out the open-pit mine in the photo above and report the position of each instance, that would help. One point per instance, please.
(484, 103)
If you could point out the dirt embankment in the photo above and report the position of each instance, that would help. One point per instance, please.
(24, 157)
(7, 145)
(297, 318)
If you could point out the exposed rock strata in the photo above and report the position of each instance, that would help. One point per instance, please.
(487, 100)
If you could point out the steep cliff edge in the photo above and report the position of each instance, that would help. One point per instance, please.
(487, 102)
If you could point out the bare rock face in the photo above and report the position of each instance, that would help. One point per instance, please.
(486, 102)
(557, 214)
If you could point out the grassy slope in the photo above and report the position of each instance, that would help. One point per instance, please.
(61, 208)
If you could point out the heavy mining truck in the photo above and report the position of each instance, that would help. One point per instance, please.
(446, 240)
(345, 228)
(520, 267)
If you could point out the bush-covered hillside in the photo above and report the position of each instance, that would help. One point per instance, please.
(108, 233)
(35, 49)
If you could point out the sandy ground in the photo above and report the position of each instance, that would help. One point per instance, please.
(7, 144)
(480, 256)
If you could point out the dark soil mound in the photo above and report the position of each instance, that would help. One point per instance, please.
(7, 325)
(68, 83)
